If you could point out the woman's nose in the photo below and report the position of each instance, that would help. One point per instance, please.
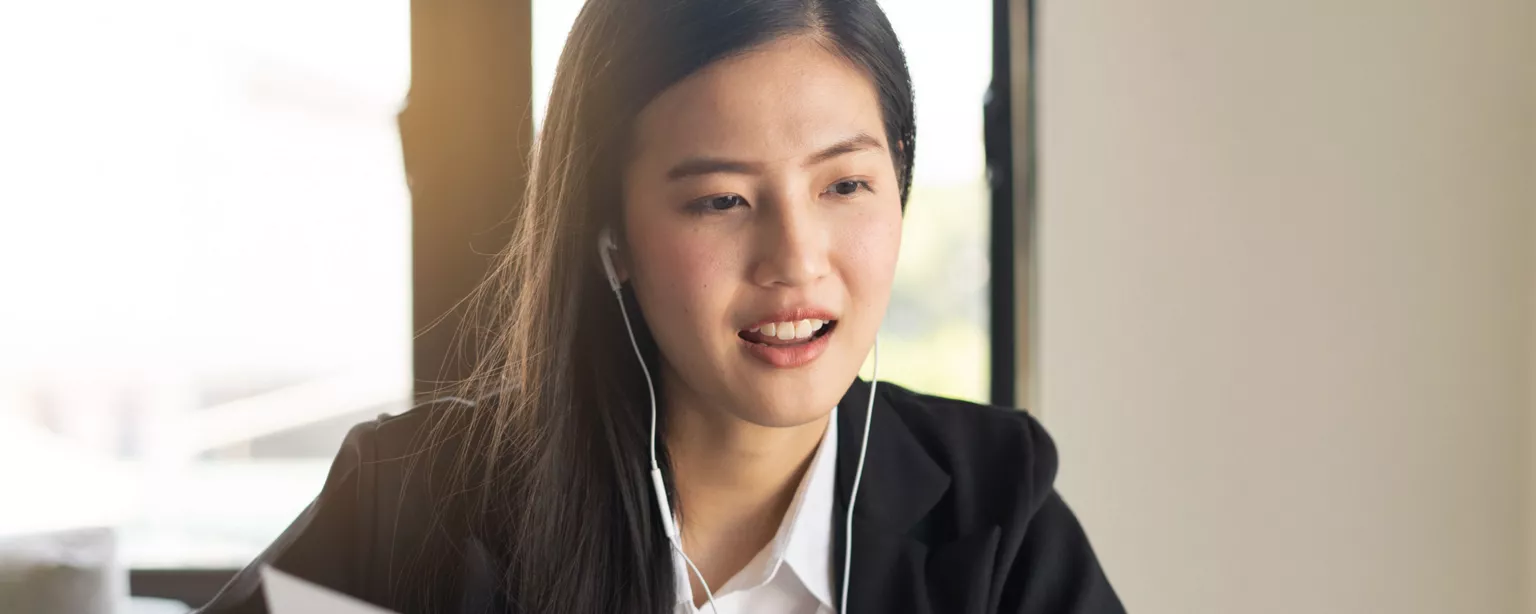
(792, 245)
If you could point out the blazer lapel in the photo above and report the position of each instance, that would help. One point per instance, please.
(904, 560)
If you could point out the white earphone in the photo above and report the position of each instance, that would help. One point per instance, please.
(605, 247)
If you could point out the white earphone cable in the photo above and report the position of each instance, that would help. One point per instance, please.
(661, 493)
(707, 594)
(858, 475)
(643, 369)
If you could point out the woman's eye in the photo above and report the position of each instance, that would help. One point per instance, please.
(716, 204)
(723, 203)
(848, 187)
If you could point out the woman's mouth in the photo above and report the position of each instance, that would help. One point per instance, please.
(788, 344)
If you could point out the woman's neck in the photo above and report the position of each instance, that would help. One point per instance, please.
(735, 481)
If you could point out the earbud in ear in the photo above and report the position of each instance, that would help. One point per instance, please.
(605, 249)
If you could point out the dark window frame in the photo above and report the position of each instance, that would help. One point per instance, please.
(1010, 177)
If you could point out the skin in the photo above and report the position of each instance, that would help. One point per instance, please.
(803, 221)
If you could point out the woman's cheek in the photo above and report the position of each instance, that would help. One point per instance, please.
(875, 246)
(691, 272)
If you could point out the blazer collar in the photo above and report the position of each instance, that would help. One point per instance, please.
(906, 559)
(901, 481)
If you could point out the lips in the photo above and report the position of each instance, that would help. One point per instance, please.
(781, 354)
(786, 333)
(791, 315)
(788, 337)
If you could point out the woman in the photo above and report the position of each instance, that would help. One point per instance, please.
(744, 166)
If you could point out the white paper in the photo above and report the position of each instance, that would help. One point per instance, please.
(287, 594)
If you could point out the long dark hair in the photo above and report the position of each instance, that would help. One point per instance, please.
(551, 466)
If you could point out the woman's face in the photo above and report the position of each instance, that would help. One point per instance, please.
(761, 191)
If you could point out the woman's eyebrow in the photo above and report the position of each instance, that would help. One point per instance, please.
(857, 142)
(693, 167)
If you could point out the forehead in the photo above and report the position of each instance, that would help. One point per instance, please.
(780, 101)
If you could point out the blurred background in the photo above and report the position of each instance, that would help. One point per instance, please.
(1267, 271)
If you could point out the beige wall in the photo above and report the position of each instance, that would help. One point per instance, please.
(1530, 495)
(1284, 307)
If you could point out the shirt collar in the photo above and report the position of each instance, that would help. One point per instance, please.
(803, 542)
(808, 548)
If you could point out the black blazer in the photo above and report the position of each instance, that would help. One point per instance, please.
(956, 514)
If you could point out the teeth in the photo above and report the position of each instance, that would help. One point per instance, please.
(786, 331)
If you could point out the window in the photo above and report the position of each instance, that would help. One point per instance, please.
(935, 337)
(205, 240)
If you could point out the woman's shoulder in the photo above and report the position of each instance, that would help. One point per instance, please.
(400, 459)
(398, 452)
(383, 458)
(408, 432)
(369, 511)
(980, 445)
(1001, 465)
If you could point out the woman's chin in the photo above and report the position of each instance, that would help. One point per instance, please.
(783, 409)
(788, 398)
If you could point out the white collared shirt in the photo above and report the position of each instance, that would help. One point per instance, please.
(792, 573)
